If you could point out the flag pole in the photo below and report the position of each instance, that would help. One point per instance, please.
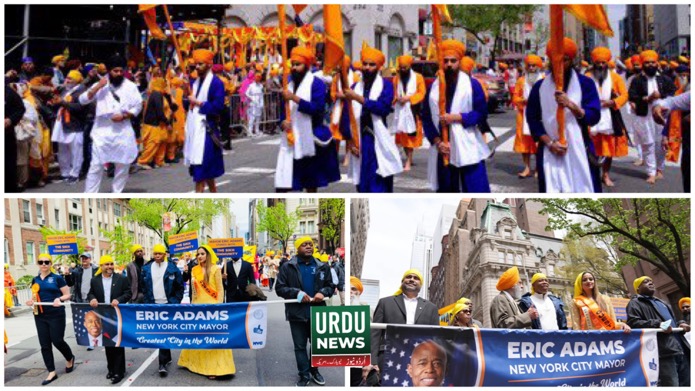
(437, 32)
(557, 38)
(285, 71)
(173, 38)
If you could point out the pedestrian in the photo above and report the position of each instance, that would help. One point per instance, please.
(79, 278)
(14, 112)
(177, 136)
(551, 309)
(307, 280)
(679, 103)
(684, 306)
(634, 67)
(10, 289)
(254, 96)
(133, 271)
(524, 143)
(113, 137)
(239, 275)
(161, 283)
(48, 287)
(157, 124)
(462, 315)
(591, 310)
(409, 94)
(273, 266)
(206, 284)
(110, 288)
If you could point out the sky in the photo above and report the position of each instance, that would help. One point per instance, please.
(240, 208)
(616, 12)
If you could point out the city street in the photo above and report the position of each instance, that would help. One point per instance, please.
(272, 366)
(250, 167)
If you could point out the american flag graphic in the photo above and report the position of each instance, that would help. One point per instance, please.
(109, 321)
(462, 362)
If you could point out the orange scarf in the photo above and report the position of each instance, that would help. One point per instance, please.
(589, 311)
(199, 281)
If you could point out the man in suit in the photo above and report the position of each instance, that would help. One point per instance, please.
(504, 311)
(109, 288)
(239, 275)
(404, 307)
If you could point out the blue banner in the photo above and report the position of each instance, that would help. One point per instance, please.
(179, 243)
(169, 326)
(416, 356)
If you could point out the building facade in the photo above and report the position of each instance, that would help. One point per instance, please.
(638, 29)
(671, 28)
(359, 228)
(421, 257)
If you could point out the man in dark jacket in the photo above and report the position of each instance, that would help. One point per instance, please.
(70, 126)
(14, 111)
(133, 271)
(551, 309)
(79, 278)
(307, 280)
(239, 276)
(644, 311)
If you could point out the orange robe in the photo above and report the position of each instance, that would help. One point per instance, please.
(403, 139)
(335, 128)
(674, 130)
(609, 145)
(522, 143)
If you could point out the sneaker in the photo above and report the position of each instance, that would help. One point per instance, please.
(162, 370)
(72, 181)
(303, 382)
(317, 378)
(90, 348)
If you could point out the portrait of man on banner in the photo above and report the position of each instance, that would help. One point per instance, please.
(96, 327)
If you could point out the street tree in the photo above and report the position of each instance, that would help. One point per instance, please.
(492, 19)
(277, 222)
(591, 254)
(653, 230)
(332, 214)
(120, 241)
(189, 214)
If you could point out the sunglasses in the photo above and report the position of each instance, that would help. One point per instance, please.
(41, 262)
(466, 311)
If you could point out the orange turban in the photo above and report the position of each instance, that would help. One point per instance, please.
(467, 64)
(357, 64)
(602, 54)
(302, 54)
(663, 63)
(649, 55)
(673, 64)
(204, 56)
(611, 64)
(354, 281)
(158, 84)
(177, 82)
(628, 64)
(569, 45)
(228, 66)
(585, 64)
(636, 59)
(508, 279)
(683, 301)
(405, 61)
(452, 47)
(373, 55)
(532, 59)
(503, 65)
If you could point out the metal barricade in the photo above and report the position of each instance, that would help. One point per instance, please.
(269, 120)
(23, 294)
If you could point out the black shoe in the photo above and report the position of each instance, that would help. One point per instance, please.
(90, 348)
(303, 382)
(162, 370)
(116, 379)
(49, 381)
(317, 378)
(109, 375)
(68, 370)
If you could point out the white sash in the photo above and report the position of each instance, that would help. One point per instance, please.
(337, 111)
(194, 146)
(605, 125)
(403, 118)
(58, 135)
(646, 130)
(387, 155)
(525, 130)
(569, 173)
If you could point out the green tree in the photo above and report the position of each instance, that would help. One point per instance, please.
(589, 254)
(120, 241)
(541, 34)
(332, 214)
(81, 243)
(479, 19)
(190, 214)
(653, 230)
(277, 222)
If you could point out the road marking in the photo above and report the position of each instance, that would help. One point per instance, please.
(251, 170)
(142, 368)
(274, 141)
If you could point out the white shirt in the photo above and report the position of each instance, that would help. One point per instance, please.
(86, 281)
(546, 311)
(158, 270)
(237, 266)
(99, 340)
(106, 283)
(410, 308)
(511, 300)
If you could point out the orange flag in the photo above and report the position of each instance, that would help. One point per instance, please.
(335, 48)
(149, 13)
(443, 12)
(298, 8)
(592, 15)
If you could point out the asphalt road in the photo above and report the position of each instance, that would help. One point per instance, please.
(273, 366)
(250, 168)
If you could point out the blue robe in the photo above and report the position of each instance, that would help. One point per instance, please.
(323, 168)
(370, 181)
(467, 179)
(591, 104)
(213, 164)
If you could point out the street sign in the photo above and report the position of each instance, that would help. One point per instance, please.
(340, 336)
(186, 241)
(62, 244)
(227, 247)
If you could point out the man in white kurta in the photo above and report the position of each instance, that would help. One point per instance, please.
(113, 138)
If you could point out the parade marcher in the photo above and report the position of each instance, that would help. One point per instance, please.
(677, 134)
(10, 289)
(356, 290)
(644, 311)
(27, 70)
(551, 313)
(58, 77)
(111, 288)
(569, 168)
(504, 310)
(684, 306)
(466, 149)
(645, 90)
(161, 283)
(14, 112)
(273, 268)
(523, 141)
(312, 161)
(256, 104)
(133, 271)
(79, 279)
(206, 284)
(339, 105)
(157, 122)
(203, 148)
(462, 314)
(69, 128)
(634, 67)
(307, 280)
(608, 141)
(178, 135)
(409, 93)
(113, 138)
(239, 276)
(591, 310)
(39, 96)
(46, 287)
(377, 159)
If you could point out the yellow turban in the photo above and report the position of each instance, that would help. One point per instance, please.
(101, 69)
(203, 55)
(459, 306)
(532, 59)
(409, 271)
(57, 59)
(536, 277)
(638, 282)
(135, 248)
(213, 257)
(354, 281)
(467, 64)
(405, 61)
(373, 55)
(324, 258)
(684, 59)
(158, 84)
(298, 243)
(103, 260)
(46, 255)
(75, 75)
(159, 248)
(508, 279)
(683, 301)
(649, 55)
(568, 44)
(303, 54)
(453, 48)
(602, 54)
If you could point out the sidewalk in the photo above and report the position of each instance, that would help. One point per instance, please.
(21, 326)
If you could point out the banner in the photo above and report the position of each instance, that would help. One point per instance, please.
(417, 356)
(172, 326)
(62, 244)
(187, 241)
(340, 336)
(228, 247)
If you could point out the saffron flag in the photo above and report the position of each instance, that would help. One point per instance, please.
(443, 12)
(249, 254)
(592, 15)
(298, 8)
(149, 13)
(334, 46)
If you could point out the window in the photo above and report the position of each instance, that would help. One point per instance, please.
(43, 248)
(500, 257)
(98, 204)
(510, 258)
(39, 215)
(302, 227)
(56, 213)
(117, 209)
(377, 41)
(519, 259)
(310, 227)
(26, 211)
(91, 227)
(30, 254)
(7, 251)
(75, 222)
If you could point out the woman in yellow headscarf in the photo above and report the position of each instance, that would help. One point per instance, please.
(591, 310)
(462, 314)
(206, 285)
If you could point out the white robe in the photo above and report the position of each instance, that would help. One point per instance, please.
(605, 124)
(646, 130)
(196, 129)
(403, 118)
